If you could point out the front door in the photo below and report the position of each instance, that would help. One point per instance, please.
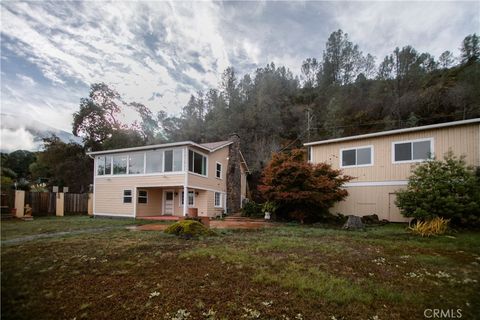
(168, 203)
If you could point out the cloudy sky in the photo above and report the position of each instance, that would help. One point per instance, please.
(158, 53)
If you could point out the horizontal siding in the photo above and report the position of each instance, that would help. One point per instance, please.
(153, 207)
(462, 140)
(211, 182)
(377, 200)
(109, 191)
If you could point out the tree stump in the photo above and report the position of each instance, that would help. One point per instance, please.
(353, 223)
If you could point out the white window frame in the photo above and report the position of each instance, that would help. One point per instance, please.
(372, 157)
(173, 160)
(432, 144)
(206, 163)
(310, 154)
(130, 196)
(143, 197)
(128, 163)
(219, 200)
(216, 170)
(180, 203)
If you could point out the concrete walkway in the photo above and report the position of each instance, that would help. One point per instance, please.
(56, 235)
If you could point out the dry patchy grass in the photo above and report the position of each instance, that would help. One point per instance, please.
(291, 272)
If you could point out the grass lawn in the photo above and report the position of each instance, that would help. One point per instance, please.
(289, 272)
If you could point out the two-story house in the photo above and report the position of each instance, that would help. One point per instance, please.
(169, 179)
(381, 162)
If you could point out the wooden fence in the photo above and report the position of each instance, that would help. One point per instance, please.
(42, 203)
(76, 203)
(7, 202)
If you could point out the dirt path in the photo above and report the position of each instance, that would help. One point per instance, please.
(56, 235)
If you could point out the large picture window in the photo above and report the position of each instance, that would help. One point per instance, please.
(408, 151)
(197, 163)
(154, 161)
(135, 163)
(173, 160)
(104, 165)
(120, 164)
(357, 157)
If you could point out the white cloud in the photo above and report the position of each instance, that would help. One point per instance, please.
(144, 48)
(16, 139)
(432, 27)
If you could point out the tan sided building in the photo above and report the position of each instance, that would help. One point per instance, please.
(170, 179)
(381, 162)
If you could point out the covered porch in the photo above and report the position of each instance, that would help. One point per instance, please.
(168, 203)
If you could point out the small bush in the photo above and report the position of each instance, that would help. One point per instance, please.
(252, 209)
(189, 229)
(433, 227)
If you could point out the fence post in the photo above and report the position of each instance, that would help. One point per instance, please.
(59, 210)
(90, 204)
(19, 203)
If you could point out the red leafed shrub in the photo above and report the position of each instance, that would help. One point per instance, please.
(302, 190)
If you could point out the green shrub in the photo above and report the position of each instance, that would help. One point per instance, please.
(189, 229)
(447, 189)
(252, 209)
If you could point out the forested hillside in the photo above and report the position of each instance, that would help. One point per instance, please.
(342, 92)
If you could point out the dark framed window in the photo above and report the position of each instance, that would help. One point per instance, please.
(127, 196)
(197, 163)
(218, 171)
(412, 150)
(142, 196)
(361, 156)
(191, 198)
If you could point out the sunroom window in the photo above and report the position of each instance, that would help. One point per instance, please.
(197, 163)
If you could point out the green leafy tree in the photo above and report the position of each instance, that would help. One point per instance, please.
(300, 189)
(447, 189)
(100, 118)
(64, 164)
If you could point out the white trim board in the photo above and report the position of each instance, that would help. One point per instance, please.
(206, 189)
(377, 183)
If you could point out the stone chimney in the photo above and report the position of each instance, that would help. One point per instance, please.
(234, 175)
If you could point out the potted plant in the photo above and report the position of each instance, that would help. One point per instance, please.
(268, 208)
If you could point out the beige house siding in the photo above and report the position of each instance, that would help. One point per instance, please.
(154, 203)
(462, 140)
(379, 200)
(211, 181)
(109, 191)
(373, 189)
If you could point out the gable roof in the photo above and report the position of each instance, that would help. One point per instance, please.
(209, 147)
(216, 145)
(397, 131)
